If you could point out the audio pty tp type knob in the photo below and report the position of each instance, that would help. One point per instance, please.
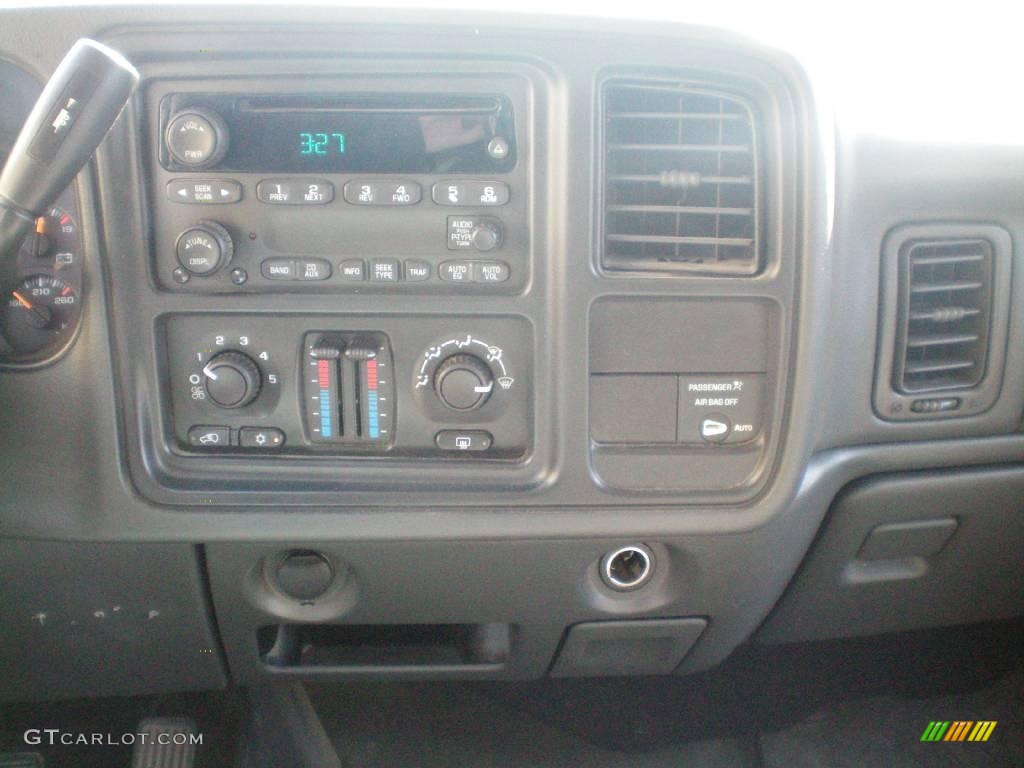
(486, 235)
(233, 380)
(204, 248)
(463, 382)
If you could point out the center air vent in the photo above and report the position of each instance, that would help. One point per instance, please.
(680, 180)
(945, 314)
(945, 298)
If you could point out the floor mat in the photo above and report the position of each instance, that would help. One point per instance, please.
(859, 702)
(887, 731)
(438, 725)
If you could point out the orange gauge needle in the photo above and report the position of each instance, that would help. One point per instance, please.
(22, 300)
(41, 225)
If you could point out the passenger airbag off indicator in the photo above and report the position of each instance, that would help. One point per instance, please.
(727, 408)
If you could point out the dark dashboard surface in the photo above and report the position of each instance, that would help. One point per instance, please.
(455, 313)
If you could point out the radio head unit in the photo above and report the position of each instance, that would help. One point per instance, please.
(407, 184)
(338, 133)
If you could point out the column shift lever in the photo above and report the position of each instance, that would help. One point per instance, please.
(78, 106)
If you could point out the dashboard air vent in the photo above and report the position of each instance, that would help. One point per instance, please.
(680, 180)
(945, 314)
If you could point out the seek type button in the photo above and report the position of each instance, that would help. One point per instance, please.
(720, 409)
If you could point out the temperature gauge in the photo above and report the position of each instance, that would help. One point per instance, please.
(41, 312)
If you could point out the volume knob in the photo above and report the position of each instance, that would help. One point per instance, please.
(463, 382)
(233, 380)
(196, 138)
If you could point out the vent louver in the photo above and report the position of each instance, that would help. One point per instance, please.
(680, 180)
(946, 297)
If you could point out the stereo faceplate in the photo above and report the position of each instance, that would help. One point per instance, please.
(419, 211)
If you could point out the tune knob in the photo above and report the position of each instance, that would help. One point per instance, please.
(196, 138)
(463, 382)
(204, 248)
(233, 380)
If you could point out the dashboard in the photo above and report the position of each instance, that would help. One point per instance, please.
(393, 346)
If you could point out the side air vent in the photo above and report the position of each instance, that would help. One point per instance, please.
(945, 314)
(945, 309)
(681, 191)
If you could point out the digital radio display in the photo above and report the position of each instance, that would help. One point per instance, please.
(367, 133)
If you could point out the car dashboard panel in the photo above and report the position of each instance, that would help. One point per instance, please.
(390, 347)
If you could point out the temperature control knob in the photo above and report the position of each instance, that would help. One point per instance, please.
(233, 380)
(463, 382)
(204, 248)
(196, 138)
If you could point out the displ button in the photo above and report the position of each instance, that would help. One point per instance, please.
(727, 408)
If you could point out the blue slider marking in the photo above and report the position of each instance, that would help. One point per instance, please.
(372, 413)
(326, 428)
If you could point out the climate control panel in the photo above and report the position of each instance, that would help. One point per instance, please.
(402, 386)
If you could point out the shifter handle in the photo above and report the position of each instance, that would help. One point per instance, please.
(77, 107)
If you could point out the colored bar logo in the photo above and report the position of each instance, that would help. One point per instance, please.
(958, 730)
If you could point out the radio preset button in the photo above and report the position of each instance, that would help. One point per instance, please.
(384, 270)
(416, 270)
(206, 191)
(278, 269)
(295, 191)
(363, 192)
(456, 271)
(352, 269)
(470, 193)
